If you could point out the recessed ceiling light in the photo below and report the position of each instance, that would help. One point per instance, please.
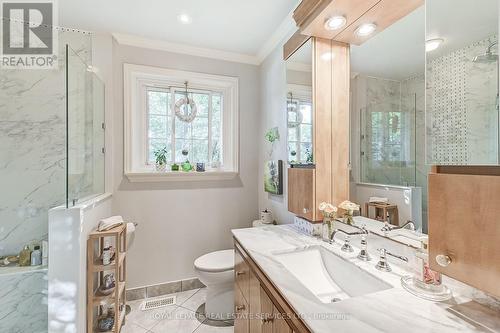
(335, 23)
(366, 29)
(184, 18)
(432, 44)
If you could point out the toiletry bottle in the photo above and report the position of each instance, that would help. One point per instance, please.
(25, 256)
(36, 256)
(45, 253)
(106, 255)
(423, 272)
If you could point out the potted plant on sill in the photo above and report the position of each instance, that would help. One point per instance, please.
(161, 159)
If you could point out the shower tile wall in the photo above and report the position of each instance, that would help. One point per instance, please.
(462, 116)
(32, 174)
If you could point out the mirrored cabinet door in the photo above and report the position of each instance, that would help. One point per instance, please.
(462, 112)
(299, 106)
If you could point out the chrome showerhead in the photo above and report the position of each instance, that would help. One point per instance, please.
(488, 57)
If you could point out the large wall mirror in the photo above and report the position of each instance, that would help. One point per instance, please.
(299, 106)
(389, 171)
(462, 82)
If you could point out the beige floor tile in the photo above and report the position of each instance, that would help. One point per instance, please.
(148, 319)
(130, 327)
(196, 300)
(203, 328)
(179, 321)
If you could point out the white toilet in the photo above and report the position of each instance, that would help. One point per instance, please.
(216, 271)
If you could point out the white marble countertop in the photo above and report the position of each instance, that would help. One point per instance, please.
(393, 310)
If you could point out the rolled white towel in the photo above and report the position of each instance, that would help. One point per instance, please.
(110, 223)
(379, 200)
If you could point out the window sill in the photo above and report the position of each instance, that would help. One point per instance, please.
(178, 176)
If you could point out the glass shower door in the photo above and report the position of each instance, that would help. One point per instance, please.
(85, 130)
(387, 155)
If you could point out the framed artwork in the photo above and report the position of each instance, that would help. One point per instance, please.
(273, 177)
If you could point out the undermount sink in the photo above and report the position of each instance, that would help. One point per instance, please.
(329, 277)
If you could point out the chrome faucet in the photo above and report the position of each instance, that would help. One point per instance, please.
(387, 227)
(383, 265)
(347, 242)
(362, 231)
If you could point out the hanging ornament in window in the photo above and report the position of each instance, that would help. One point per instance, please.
(185, 103)
(292, 108)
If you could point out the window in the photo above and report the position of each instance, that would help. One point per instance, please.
(300, 127)
(201, 138)
(151, 123)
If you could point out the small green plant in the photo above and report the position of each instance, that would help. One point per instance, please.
(273, 135)
(309, 156)
(161, 156)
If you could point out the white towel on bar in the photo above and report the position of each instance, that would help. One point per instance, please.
(379, 200)
(110, 223)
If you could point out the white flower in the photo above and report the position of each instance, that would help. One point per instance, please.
(322, 206)
(349, 206)
(330, 209)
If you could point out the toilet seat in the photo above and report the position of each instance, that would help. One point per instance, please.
(214, 262)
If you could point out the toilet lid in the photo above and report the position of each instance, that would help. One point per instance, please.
(218, 261)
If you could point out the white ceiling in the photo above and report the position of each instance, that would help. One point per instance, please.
(238, 26)
(395, 53)
(460, 22)
(399, 51)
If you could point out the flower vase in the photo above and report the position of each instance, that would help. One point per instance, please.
(327, 228)
(348, 217)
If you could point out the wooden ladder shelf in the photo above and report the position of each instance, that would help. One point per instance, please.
(96, 271)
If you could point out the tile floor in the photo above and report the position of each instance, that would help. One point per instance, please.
(178, 318)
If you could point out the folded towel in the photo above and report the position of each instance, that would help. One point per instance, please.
(379, 200)
(110, 223)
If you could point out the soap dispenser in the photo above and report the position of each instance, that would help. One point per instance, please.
(25, 256)
(425, 282)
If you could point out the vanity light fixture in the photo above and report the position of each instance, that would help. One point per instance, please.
(335, 23)
(184, 19)
(366, 29)
(432, 44)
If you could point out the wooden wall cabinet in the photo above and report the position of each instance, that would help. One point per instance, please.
(259, 307)
(310, 16)
(464, 224)
(301, 193)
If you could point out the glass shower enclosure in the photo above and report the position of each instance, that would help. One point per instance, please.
(51, 154)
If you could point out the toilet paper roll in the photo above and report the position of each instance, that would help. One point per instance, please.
(130, 234)
(130, 228)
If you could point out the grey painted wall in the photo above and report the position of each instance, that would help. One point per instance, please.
(273, 92)
(180, 221)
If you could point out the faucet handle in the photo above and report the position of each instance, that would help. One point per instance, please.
(347, 246)
(363, 254)
(383, 265)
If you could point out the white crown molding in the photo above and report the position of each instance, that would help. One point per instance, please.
(161, 45)
(299, 66)
(286, 29)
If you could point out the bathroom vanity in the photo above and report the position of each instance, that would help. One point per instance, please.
(286, 281)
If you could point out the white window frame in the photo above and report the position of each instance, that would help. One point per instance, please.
(302, 94)
(136, 79)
